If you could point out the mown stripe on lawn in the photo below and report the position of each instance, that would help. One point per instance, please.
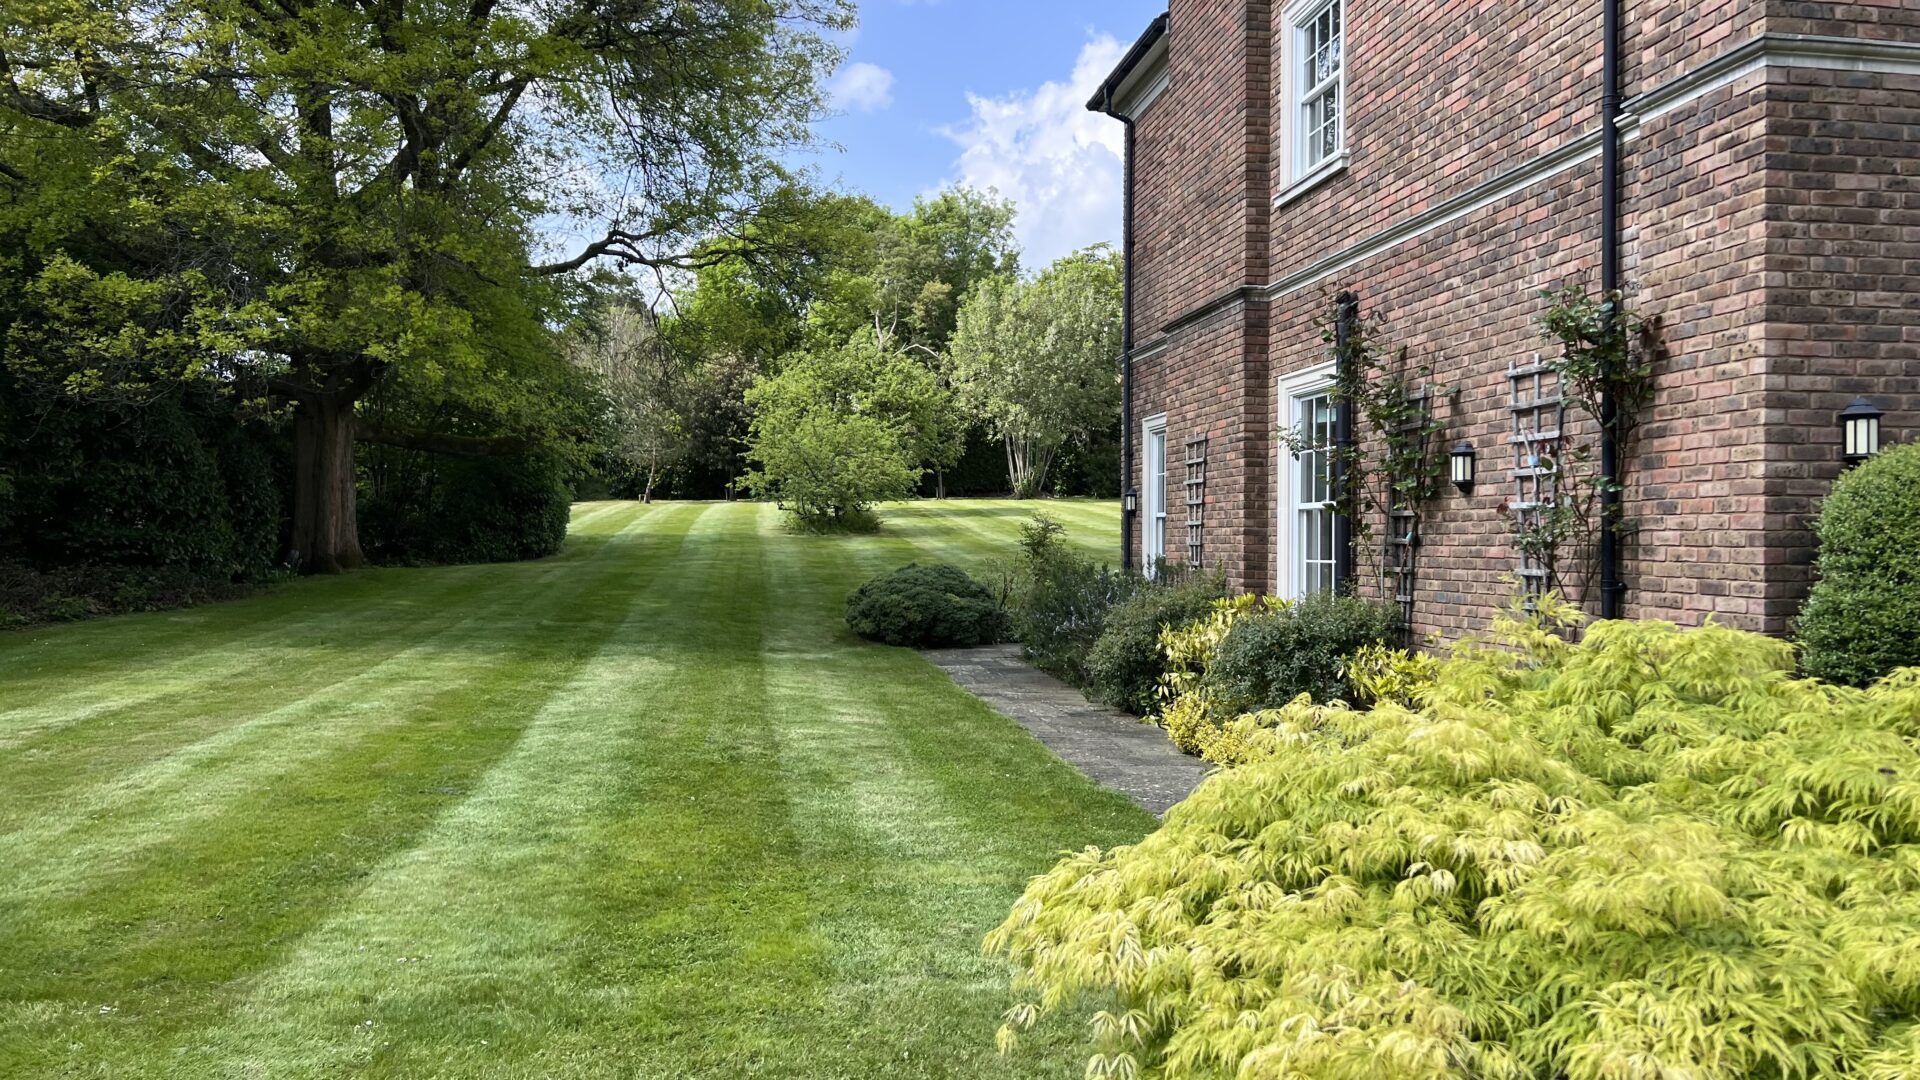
(928, 847)
(115, 821)
(157, 931)
(613, 898)
(61, 676)
(667, 818)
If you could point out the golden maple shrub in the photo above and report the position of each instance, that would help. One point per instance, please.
(1653, 853)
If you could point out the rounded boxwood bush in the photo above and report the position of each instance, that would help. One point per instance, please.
(1268, 660)
(1863, 618)
(934, 606)
(1126, 663)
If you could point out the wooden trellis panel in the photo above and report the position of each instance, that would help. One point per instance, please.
(1539, 417)
(1196, 501)
(1402, 543)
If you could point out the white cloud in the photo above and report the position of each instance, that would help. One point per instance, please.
(1062, 166)
(861, 87)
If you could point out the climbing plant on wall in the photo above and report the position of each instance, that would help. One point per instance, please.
(1397, 465)
(1602, 364)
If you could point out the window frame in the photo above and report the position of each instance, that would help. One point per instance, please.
(1302, 173)
(1290, 578)
(1152, 484)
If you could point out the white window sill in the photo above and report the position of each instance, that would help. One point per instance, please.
(1321, 173)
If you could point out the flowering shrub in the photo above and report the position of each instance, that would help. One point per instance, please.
(1650, 854)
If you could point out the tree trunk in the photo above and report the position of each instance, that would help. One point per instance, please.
(326, 534)
(939, 483)
(647, 495)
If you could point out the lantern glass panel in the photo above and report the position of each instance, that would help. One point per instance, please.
(1463, 466)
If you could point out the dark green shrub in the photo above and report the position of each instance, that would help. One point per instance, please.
(1061, 603)
(179, 480)
(432, 508)
(30, 595)
(1063, 608)
(926, 606)
(1863, 619)
(1126, 663)
(1269, 659)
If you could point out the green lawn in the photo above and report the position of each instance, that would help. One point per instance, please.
(642, 810)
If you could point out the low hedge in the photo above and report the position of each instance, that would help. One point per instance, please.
(31, 595)
(1651, 853)
(926, 607)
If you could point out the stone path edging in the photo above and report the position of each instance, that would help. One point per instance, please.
(1114, 749)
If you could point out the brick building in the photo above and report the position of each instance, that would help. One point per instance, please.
(1445, 163)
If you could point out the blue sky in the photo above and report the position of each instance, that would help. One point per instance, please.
(991, 93)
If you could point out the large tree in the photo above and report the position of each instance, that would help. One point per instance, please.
(1040, 359)
(309, 196)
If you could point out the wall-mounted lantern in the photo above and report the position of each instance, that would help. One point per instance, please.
(1463, 466)
(1130, 501)
(1860, 430)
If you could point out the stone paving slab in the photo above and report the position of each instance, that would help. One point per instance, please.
(1114, 749)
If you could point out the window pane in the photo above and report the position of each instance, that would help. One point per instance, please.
(1321, 41)
(1330, 131)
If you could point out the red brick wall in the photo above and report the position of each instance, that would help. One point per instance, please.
(1843, 271)
(1440, 97)
(1202, 209)
(1202, 204)
(1772, 226)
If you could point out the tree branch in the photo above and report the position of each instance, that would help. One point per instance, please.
(36, 106)
(625, 246)
(487, 134)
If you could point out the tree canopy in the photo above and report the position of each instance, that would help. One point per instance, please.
(302, 198)
(1040, 360)
(838, 429)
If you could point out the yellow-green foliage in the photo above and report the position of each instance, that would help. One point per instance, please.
(1651, 854)
(1380, 674)
(1188, 714)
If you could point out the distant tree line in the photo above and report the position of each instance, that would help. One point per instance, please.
(276, 293)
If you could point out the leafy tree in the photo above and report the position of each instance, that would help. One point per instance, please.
(842, 267)
(840, 429)
(303, 198)
(828, 467)
(1040, 360)
(930, 259)
(647, 387)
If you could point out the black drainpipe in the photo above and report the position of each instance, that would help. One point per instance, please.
(1126, 345)
(1346, 314)
(1612, 589)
